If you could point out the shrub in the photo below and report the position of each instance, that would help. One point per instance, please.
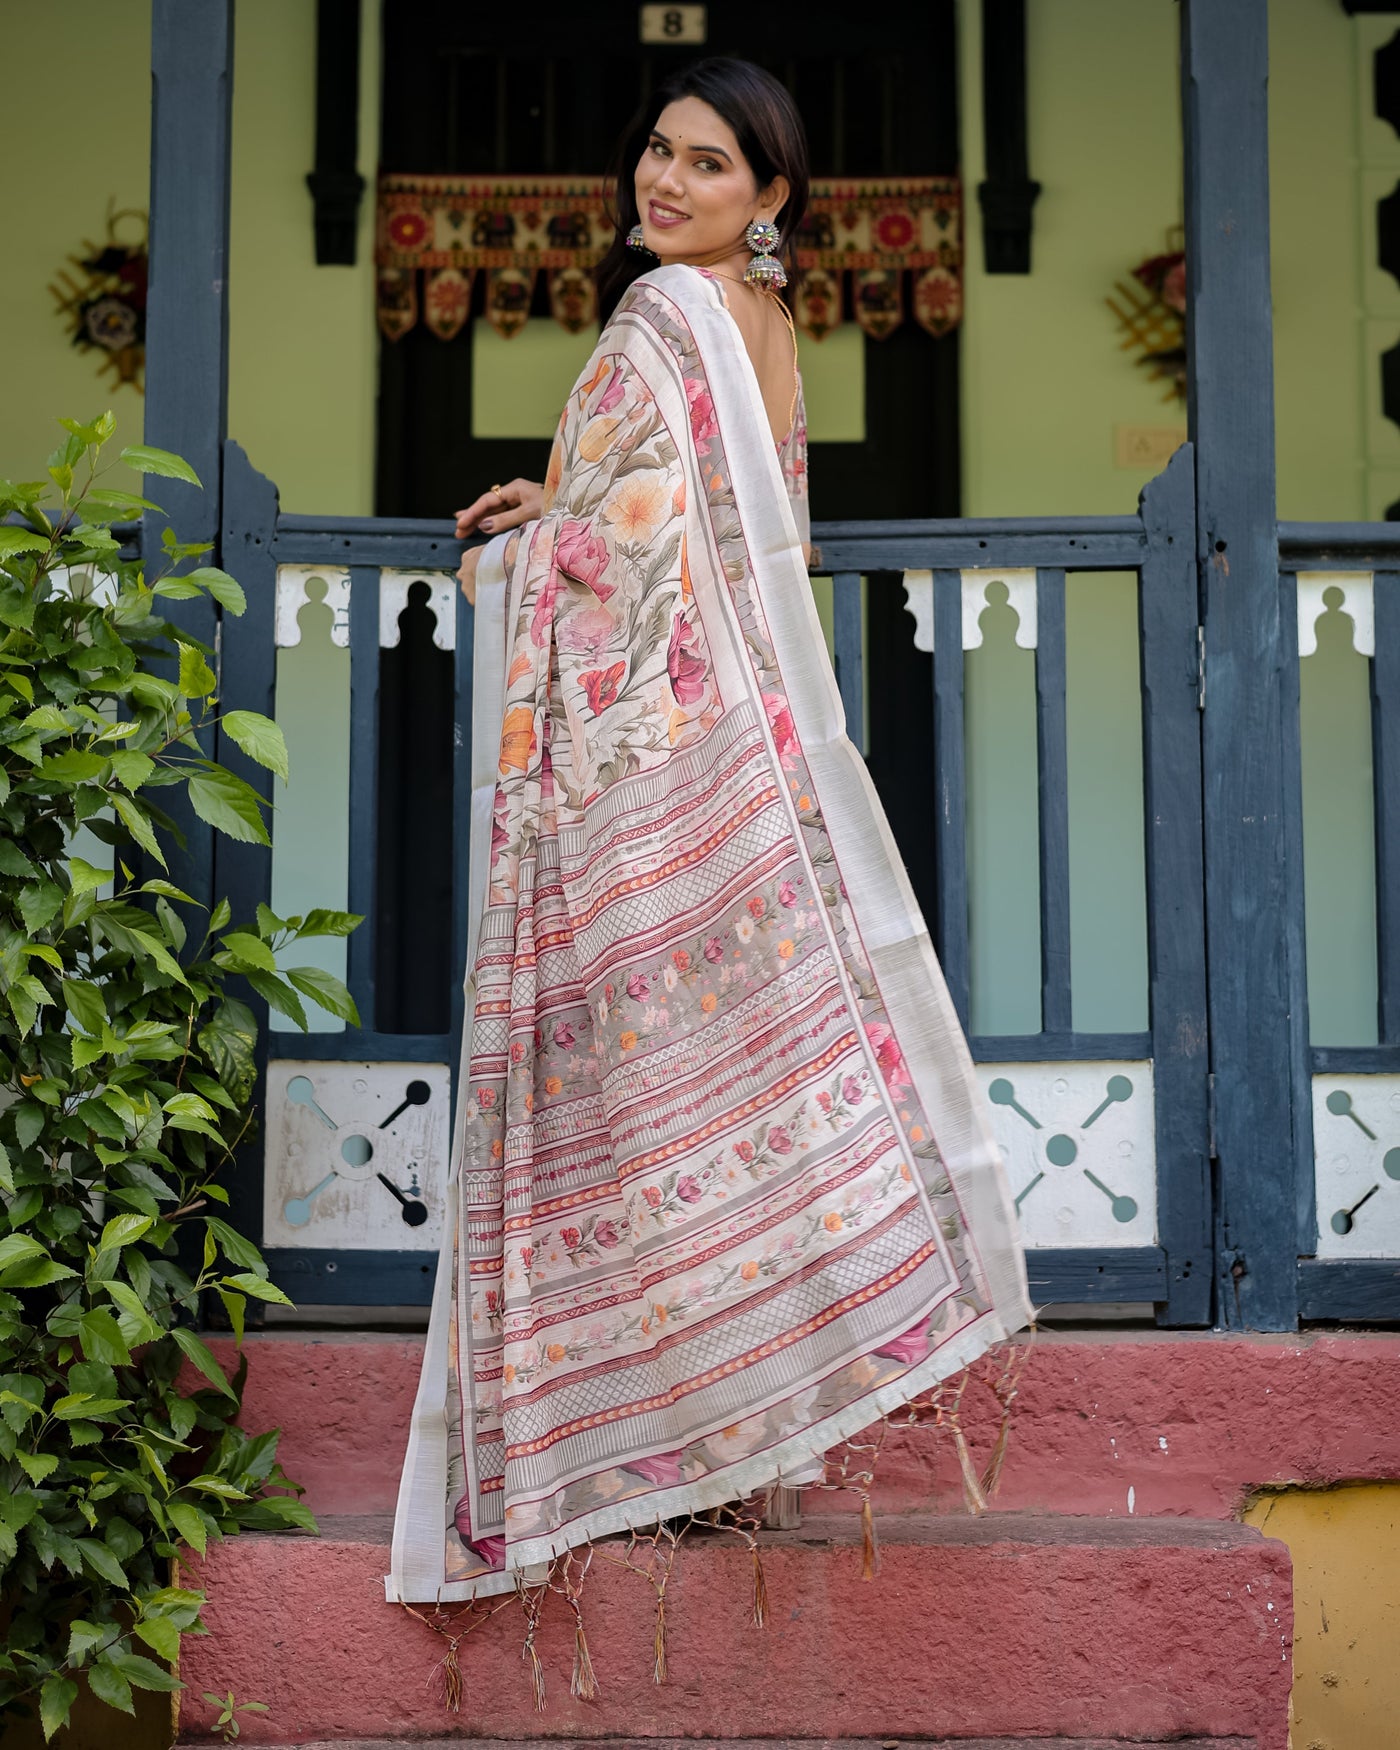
(127, 1065)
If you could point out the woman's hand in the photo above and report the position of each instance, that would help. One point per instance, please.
(502, 507)
(466, 573)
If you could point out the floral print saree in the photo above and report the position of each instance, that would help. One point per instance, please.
(724, 1189)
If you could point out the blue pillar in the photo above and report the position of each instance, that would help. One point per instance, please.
(187, 310)
(1257, 1009)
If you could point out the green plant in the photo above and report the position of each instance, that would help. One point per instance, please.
(226, 1725)
(126, 1076)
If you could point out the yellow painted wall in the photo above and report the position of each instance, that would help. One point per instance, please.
(1345, 1545)
(63, 168)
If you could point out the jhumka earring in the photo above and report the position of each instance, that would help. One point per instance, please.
(765, 271)
(636, 240)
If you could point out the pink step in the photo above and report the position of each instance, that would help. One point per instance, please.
(802, 1744)
(1113, 1425)
(1007, 1626)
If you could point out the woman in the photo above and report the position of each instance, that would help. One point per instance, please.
(726, 1189)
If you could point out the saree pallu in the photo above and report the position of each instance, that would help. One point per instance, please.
(724, 1191)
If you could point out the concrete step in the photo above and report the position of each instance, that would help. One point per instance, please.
(1110, 1424)
(783, 1744)
(1010, 1626)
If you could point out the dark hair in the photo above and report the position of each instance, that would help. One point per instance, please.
(767, 126)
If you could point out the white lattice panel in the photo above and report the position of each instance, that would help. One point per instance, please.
(357, 1154)
(1079, 1142)
(1356, 1165)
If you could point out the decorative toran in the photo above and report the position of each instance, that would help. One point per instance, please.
(435, 234)
(1151, 312)
(103, 300)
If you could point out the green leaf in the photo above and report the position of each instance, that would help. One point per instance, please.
(258, 1286)
(259, 737)
(146, 460)
(227, 591)
(131, 768)
(110, 1686)
(226, 802)
(220, 1486)
(143, 1672)
(16, 1247)
(37, 1465)
(251, 949)
(14, 862)
(202, 1357)
(235, 1247)
(138, 824)
(101, 1338)
(14, 541)
(178, 589)
(84, 1003)
(55, 1699)
(29, 1122)
(7, 1176)
(84, 1636)
(329, 923)
(278, 996)
(219, 917)
(101, 1560)
(325, 989)
(161, 1634)
(39, 905)
(121, 1230)
(98, 1116)
(197, 679)
(86, 877)
(235, 1306)
(189, 1522)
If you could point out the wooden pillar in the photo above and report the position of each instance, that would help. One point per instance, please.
(1258, 1020)
(187, 309)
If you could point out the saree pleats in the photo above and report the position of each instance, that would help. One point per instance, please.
(725, 1189)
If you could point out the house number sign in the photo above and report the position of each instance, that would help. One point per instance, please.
(673, 24)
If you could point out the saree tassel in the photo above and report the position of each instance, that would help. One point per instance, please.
(991, 1477)
(452, 1679)
(972, 1488)
(658, 1669)
(760, 1588)
(583, 1683)
(531, 1602)
(869, 1548)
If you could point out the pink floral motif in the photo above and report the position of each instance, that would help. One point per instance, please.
(689, 1189)
(652, 1196)
(638, 988)
(890, 1059)
(714, 950)
(606, 1234)
(583, 556)
(779, 1140)
(787, 894)
(913, 1346)
(824, 1100)
(784, 732)
(612, 394)
(663, 1469)
(851, 1090)
(686, 669)
(564, 1036)
(543, 617)
(703, 424)
(600, 686)
(570, 1236)
(745, 1150)
(492, 1550)
(586, 632)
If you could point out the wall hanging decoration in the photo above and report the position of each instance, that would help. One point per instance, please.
(103, 298)
(1151, 312)
(860, 243)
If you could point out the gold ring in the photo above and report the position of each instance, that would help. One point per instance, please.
(499, 494)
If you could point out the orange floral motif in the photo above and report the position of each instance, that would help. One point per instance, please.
(708, 1002)
(508, 1374)
(556, 1352)
(518, 741)
(785, 949)
(597, 439)
(552, 1084)
(905, 1174)
(749, 1270)
(627, 1040)
(833, 1223)
(637, 509)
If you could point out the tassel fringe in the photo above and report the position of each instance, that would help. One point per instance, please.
(651, 1552)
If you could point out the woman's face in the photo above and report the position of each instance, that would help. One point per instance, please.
(696, 194)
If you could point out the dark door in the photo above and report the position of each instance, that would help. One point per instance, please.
(466, 89)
